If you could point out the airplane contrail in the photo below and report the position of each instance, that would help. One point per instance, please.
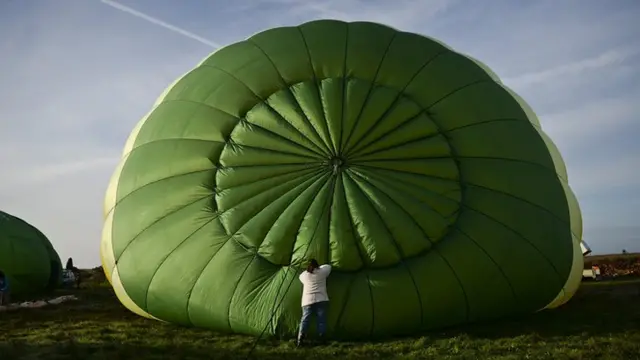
(159, 22)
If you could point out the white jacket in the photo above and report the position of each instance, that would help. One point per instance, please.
(315, 285)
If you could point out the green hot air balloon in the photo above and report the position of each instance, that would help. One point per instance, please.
(27, 257)
(426, 183)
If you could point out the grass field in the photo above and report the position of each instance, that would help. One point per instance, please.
(601, 322)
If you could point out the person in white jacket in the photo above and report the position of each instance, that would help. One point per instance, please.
(314, 298)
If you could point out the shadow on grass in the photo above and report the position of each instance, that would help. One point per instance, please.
(595, 310)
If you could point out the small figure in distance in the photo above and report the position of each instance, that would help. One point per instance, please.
(4, 289)
(70, 269)
(315, 299)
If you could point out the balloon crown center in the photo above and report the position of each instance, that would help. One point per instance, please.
(337, 163)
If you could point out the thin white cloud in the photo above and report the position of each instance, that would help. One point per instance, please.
(608, 58)
(161, 23)
(585, 124)
(587, 137)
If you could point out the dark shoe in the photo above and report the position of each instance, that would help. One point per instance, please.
(300, 341)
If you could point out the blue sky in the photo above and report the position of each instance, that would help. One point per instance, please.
(76, 75)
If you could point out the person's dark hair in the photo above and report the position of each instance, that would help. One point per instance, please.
(313, 264)
(1, 274)
(69, 264)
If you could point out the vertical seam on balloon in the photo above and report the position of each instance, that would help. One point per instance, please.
(364, 269)
(455, 274)
(336, 193)
(190, 292)
(399, 205)
(454, 157)
(303, 255)
(325, 114)
(354, 276)
(363, 193)
(394, 103)
(319, 92)
(463, 184)
(275, 300)
(398, 248)
(368, 96)
(520, 236)
(207, 265)
(434, 248)
(165, 258)
(293, 246)
(373, 305)
(504, 275)
(329, 220)
(362, 258)
(273, 309)
(342, 194)
(235, 289)
(344, 89)
(261, 101)
(288, 89)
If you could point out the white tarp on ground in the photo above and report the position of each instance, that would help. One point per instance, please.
(38, 304)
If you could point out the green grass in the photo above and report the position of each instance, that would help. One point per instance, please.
(601, 322)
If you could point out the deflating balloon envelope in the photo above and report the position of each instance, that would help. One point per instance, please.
(27, 258)
(428, 185)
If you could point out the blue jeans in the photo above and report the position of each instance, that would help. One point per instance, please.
(320, 309)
